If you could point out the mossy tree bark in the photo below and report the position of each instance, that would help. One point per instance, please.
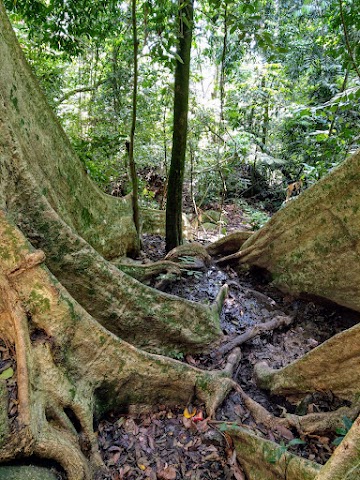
(72, 352)
(46, 191)
(70, 368)
(312, 246)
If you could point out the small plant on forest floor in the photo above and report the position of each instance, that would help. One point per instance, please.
(342, 431)
(283, 448)
(187, 260)
(255, 216)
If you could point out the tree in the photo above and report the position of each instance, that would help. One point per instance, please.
(77, 348)
(181, 107)
(77, 227)
(132, 165)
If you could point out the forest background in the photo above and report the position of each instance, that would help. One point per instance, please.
(274, 92)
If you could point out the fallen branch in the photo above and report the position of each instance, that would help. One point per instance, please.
(278, 321)
(232, 361)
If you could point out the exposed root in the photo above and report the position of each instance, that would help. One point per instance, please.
(229, 244)
(145, 272)
(190, 255)
(265, 460)
(276, 322)
(323, 422)
(232, 362)
(263, 416)
(77, 368)
(220, 299)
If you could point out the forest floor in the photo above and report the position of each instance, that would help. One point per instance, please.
(169, 444)
(166, 445)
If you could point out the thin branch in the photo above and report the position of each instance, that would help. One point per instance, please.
(276, 322)
(80, 90)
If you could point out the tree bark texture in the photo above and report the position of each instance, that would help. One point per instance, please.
(67, 362)
(312, 245)
(46, 191)
(71, 326)
(181, 106)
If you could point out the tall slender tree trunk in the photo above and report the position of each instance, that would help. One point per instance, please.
(181, 107)
(134, 180)
(223, 61)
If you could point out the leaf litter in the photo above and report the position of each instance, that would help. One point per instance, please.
(165, 445)
(252, 301)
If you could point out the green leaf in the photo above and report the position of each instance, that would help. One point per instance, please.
(179, 59)
(337, 441)
(296, 441)
(8, 373)
(347, 423)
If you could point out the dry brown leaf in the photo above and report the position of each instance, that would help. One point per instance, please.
(124, 471)
(149, 472)
(130, 426)
(189, 424)
(114, 458)
(202, 426)
(213, 457)
(234, 466)
(285, 432)
(168, 473)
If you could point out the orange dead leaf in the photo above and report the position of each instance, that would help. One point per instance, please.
(168, 473)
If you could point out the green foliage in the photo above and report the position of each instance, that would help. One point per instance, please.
(342, 431)
(6, 374)
(274, 92)
(275, 455)
(256, 217)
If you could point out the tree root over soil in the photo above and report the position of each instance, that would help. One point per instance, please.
(276, 322)
(70, 368)
(47, 193)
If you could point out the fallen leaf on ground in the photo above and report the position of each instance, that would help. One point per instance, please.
(234, 466)
(189, 412)
(168, 473)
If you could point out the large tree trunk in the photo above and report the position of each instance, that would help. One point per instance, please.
(73, 359)
(312, 246)
(69, 367)
(46, 191)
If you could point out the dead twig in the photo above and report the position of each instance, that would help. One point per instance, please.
(276, 322)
